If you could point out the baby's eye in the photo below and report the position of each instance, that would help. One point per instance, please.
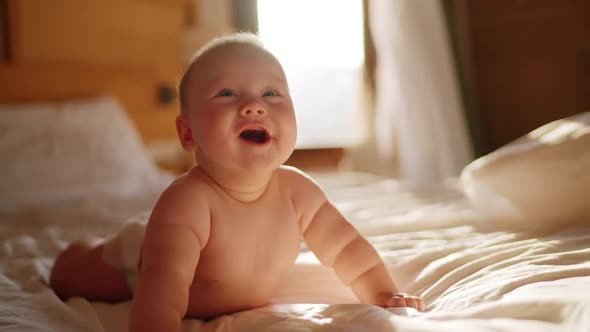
(270, 93)
(226, 93)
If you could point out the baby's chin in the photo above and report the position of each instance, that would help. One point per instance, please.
(249, 161)
(259, 164)
(245, 165)
(265, 157)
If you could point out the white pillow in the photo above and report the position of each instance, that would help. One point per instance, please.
(541, 179)
(61, 151)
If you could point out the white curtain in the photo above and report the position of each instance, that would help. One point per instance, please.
(419, 119)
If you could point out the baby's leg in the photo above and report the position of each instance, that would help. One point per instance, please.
(79, 271)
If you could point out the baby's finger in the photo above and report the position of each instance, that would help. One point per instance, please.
(421, 304)
(411, 302)
(396, 301)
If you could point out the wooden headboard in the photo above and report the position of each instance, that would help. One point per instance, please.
(67, 49)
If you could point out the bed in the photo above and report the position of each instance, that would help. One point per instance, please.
(504, 247)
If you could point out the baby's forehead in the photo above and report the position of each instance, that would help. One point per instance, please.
(222, 60)
(235, 52)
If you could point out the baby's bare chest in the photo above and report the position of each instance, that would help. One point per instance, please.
(251, 240)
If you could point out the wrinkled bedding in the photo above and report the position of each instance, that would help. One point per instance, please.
(474, 275)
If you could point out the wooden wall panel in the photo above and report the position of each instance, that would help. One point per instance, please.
(584, 73)
(527, 64)
(136, 88)
(105, 32)
(4, 52)
(67, 49)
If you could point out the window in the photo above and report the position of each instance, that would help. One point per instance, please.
(320, 44)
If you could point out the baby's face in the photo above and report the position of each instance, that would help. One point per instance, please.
(240, 111)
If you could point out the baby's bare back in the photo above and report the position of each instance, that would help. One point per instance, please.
(250, 247)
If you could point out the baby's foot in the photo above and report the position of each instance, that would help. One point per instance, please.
(73, 251)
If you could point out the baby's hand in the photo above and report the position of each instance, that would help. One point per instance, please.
(389, 300)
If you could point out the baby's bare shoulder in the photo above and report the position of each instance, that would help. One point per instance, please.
(305, 191)
(293, 175)
(183, 205)
(187, 197)
(194, 182)
(191, 182)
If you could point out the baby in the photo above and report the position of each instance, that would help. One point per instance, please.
(222, 235)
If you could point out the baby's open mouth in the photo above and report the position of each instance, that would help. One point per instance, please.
(255, 136)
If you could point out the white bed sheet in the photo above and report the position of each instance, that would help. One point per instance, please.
(473, 276)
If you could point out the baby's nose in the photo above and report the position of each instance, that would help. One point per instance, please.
(248, 111)
(253, 108)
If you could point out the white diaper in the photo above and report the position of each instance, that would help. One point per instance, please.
(123, 250)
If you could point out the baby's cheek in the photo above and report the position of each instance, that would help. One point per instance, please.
(213, 128)
(289, 124)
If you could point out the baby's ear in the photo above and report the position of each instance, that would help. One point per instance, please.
(185, 134)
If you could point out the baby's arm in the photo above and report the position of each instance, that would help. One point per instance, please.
(177, 231)
(339, 245)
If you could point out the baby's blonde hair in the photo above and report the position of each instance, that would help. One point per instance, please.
(244, 38)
